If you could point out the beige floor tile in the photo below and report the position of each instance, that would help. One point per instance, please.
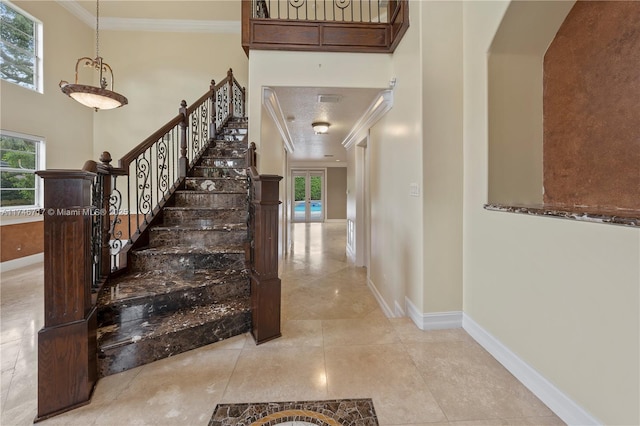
(183, 389)
(386, 374)
(409, 332)
(368, 331)
(278, 374)
(295, 333)
(470, 384)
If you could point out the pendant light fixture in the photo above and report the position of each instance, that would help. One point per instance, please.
(102, 97)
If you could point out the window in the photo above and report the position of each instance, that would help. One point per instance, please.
(20, 47)
(20, 157)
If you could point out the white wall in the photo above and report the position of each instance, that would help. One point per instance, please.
(562, 295)
(66, 125)
(155, 71)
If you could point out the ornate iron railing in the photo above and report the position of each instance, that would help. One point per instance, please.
(128, 197)
(371, 11)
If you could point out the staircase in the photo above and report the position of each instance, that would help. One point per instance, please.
(189, 287)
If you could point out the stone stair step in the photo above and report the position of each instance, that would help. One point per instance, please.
(198, 236)
(214, 161)
(210, 199)
(140, 295)
(184, 258)
(204, 216)
(229, 184)
(218, 172)
(225, 152)
(138, 342)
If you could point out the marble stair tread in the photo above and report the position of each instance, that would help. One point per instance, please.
(240, 226)
(179, 250)
(139, 331)
(145, 284)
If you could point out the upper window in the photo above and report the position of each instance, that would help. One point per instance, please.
(20, 47)
(20, 157)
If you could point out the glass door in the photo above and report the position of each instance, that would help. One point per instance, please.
(308, 190)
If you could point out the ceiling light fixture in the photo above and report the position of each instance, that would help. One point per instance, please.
(320, 127)
(91, 96)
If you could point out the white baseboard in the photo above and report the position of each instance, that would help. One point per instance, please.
(563, 406)
(433, 321)
(399, 310)
(385, 308)
(21, 262)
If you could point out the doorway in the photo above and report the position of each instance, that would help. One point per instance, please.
(308, 196)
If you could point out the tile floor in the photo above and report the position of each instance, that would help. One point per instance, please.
(336, 343)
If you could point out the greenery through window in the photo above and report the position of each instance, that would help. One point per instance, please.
(20, 157)
(20, 56)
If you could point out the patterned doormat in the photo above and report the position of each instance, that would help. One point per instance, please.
(337, 412)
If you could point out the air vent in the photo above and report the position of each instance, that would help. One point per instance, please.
(328, 155)
(332, 99)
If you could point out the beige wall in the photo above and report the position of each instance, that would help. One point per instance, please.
(562, 295)
(66, 125)
(155, 71)
(442, 155)
(336, 193)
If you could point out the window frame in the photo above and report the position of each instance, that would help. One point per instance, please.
(38, 71)
(40, 164)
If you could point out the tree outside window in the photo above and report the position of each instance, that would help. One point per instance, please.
(20, 52)
(20, 157)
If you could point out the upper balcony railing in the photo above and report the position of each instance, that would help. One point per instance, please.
(367, 26)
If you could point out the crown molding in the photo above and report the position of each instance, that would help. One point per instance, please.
(380, 105)
(271, 103)
(151, 25)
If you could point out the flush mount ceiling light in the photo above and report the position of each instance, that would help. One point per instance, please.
(91, 96)
(320, 127)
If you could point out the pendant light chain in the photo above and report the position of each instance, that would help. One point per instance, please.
(97, 28)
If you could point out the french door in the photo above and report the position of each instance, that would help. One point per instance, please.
(308, 196)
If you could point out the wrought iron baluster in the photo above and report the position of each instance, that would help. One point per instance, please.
(115, 206)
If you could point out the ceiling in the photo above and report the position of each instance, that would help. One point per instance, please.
(299, 105)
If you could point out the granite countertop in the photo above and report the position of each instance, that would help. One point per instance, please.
(613, 216)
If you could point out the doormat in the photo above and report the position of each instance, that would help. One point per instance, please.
(336, 412)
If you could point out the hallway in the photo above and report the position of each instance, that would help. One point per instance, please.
(336, 343)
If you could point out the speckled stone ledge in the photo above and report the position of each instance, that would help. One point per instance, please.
(339, 412)
(613, 217)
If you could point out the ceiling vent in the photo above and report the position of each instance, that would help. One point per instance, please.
(331, 99)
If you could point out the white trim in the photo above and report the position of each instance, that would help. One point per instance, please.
(335, 221)
(380, 105)
(399, 310)
(563, 406)
(150, 25)
(351, 255)
(385, 308)
(271, 103)
(7, 217)
(21, 262)
(433, 321)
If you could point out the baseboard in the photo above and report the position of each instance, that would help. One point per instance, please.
(563, 406)
(385, 308)
(21, 262)
(433, 321)
(399, 310)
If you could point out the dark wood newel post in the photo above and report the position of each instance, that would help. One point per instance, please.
(212, 125)
(183, 164)
(230, 77)
(265, 284)
(67, 347)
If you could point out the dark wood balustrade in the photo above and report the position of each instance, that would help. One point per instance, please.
(297, 25)
(86, 241)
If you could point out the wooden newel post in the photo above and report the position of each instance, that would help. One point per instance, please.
(265, 284)
(183, 162)
(230, 77)
(212, 125)
(67, 347)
